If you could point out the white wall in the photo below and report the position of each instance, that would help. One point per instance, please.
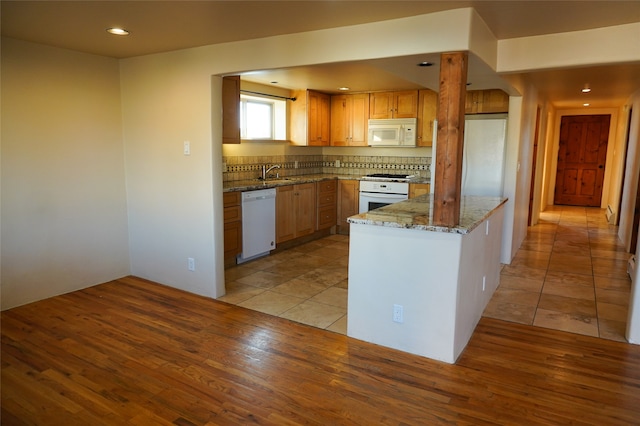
(632, 173)
(64, 217)
(627, 209)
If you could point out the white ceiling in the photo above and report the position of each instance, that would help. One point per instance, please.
(158, 26)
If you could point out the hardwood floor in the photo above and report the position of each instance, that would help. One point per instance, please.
(135, 352)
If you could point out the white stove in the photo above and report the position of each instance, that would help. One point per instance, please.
(376, 194)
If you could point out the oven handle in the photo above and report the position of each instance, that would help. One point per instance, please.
(384, 196)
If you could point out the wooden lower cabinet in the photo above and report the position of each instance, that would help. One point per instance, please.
(232, 225)
(295, 211)
(417, 189)
(348, 202)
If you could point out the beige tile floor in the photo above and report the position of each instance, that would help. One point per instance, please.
(306, 284)
(569, 274)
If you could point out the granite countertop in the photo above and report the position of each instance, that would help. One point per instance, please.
(416, 213)
(254, 184)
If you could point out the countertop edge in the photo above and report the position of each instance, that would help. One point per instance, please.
(255, 184)
(402, 220)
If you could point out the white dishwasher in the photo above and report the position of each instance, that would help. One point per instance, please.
(258, 223)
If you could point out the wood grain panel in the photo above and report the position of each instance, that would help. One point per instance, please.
(134, 352)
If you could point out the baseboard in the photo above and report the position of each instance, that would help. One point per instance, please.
(611, 215)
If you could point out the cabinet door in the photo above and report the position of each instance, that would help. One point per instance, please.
(381, 105)
(305, 208)
(339, 121)
(417, 189)
(359, 119)
(232, 239)
(405, 104)
(348, 196)
(427, 107)
(318, 119)
(285, 214)
(231, 109)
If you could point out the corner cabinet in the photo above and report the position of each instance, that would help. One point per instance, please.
(349, 119)
(417, 189)
(310, 118)
(402, 104)
(427, 109)
(486, 101)
(231, 109)
(295, 211)
(348, 202)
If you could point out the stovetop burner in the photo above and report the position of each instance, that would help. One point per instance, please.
(389, 176)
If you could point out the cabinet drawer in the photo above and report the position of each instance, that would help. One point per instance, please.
(231, 199)
(232, 214)
(327, 186)
(327, 199)
(327, 217)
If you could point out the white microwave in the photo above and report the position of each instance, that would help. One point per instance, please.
(392, 132)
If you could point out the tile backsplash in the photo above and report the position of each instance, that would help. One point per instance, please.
(249, 167)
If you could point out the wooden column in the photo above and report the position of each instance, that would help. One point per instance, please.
(448, 173)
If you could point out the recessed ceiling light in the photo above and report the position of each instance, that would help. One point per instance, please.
(425, 64)
(586, 104)
(344, 88)
(586, 89)
(117, 31)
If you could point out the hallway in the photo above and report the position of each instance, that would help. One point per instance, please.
(569, 274)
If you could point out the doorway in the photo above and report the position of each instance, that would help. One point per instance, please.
(582, 155)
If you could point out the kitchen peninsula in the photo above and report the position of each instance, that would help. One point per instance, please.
(418, 287)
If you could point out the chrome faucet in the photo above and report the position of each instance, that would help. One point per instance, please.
(266, 170)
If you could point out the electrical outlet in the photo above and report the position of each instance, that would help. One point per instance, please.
(191, 264)
(295, 164)
(398, 313)
(186, 147)
(337, 163)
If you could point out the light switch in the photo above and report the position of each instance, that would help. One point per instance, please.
(187, 148)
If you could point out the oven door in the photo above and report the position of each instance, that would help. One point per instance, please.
(374, 200)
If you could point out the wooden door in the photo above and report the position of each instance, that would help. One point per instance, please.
(581, 160)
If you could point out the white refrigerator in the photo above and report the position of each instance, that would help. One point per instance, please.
(483, 160)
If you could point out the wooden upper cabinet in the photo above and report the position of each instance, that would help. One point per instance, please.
(349, 118)
(231, 109)
(310, 118)
(427, 109)
(486, 101)
(402, 104)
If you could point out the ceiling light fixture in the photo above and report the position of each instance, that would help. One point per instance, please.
(118, 31)
(425, 64)
(586, 89)
(585, 104)
(344, 88)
